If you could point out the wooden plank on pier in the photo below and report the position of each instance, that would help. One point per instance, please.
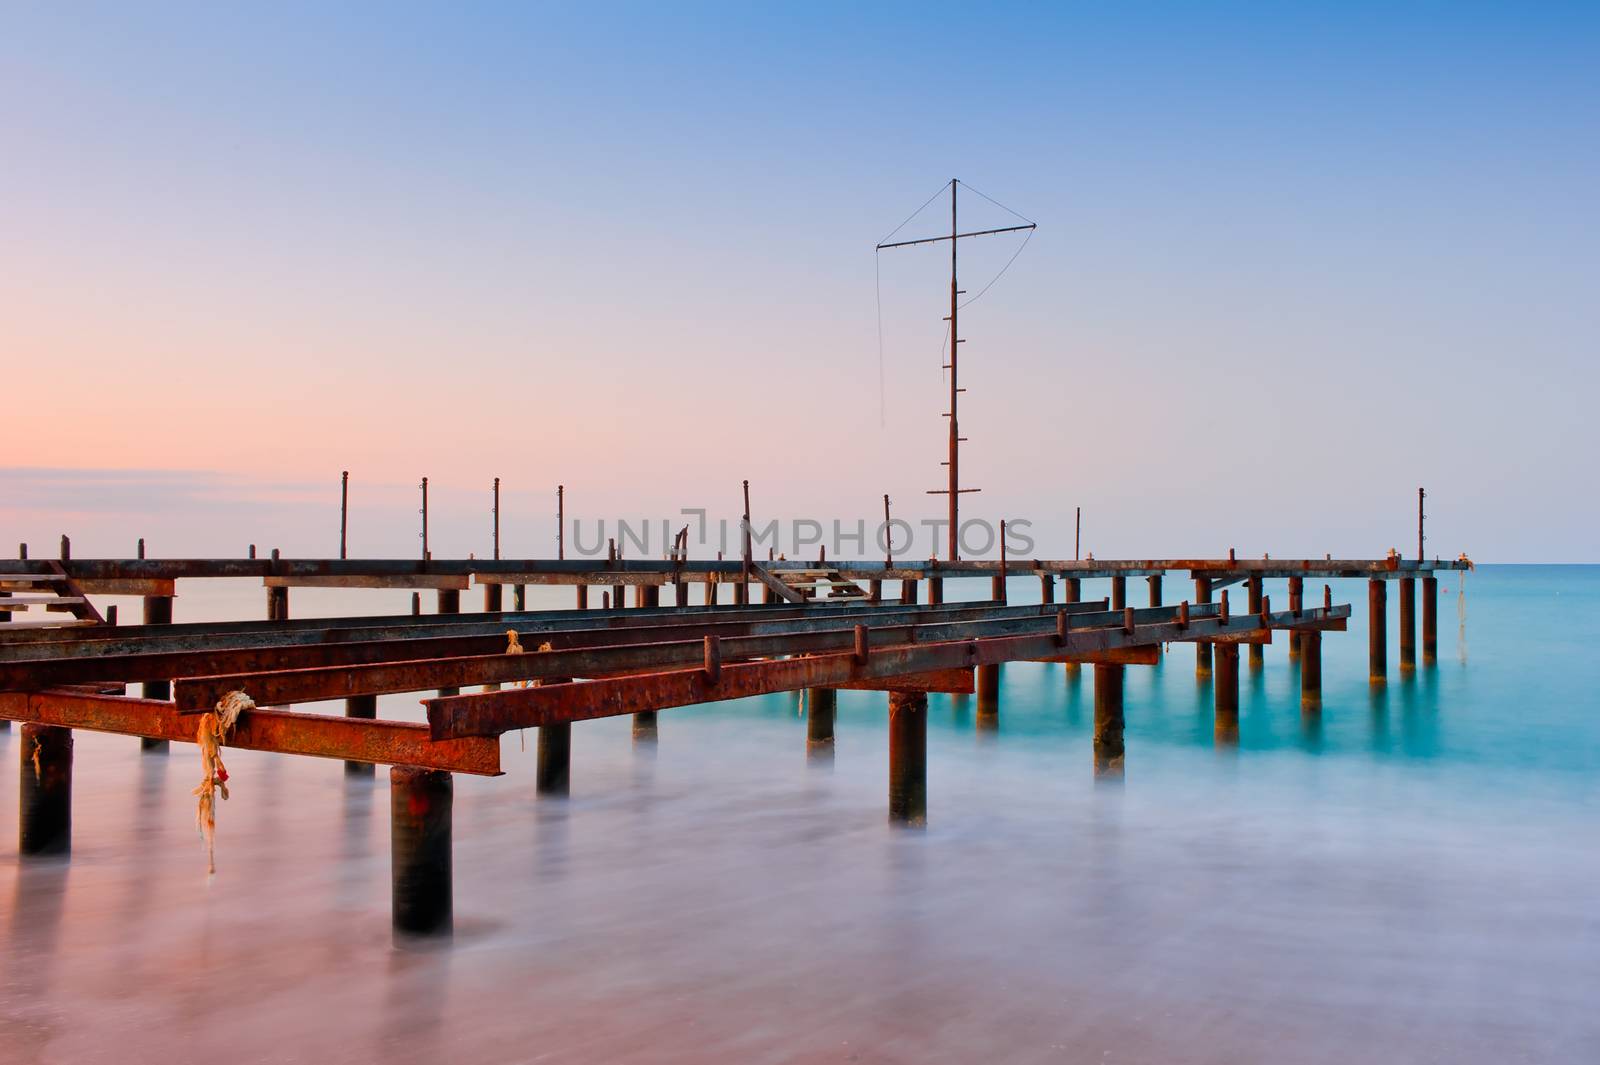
(280, 731)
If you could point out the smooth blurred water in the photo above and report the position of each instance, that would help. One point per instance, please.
(1408, 876)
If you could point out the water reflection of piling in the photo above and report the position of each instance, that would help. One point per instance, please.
(420, 809)
(908, 758)
(1108, 748)
(46, 794)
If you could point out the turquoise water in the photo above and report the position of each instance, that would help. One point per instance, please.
(1406, 877)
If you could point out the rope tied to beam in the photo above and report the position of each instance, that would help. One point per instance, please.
(213, 728)
(514, 647)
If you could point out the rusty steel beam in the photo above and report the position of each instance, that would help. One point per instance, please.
(141, 664)
(193, 636)
(491, 713)
(946, 681)
(274, 686)
(279, 731)
(650, 571)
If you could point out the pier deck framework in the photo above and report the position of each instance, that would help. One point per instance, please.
(733, 629)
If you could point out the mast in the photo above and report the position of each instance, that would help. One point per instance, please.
(955, 430)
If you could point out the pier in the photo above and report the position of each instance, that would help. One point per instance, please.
(816, 626)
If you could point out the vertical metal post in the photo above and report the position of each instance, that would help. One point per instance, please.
(424, 519)
(1297, 594)
(1202, 650)
(821, 707)
(1311, 670)
(420, 809)
(1077, 534)
(1430, 620)
(497, 518)
(1377, 631)
(364, 707)
(988, 697)
(1119, 592)
(1155, 588)
(1225, 689)
(553, 775)
(1108, 747)
(908, 758)
(561, 521)
(1253, 603)
(45, 807)
(157, 611)
(344, 511)
(955, 431)
(745, 559)
(1422, 495)
(449, 602)
(1408, 624)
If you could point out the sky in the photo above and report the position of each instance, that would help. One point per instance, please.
(1293, 262)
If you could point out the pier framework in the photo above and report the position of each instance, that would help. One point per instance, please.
(819, 627)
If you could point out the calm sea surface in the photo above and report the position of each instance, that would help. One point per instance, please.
(1413, 876)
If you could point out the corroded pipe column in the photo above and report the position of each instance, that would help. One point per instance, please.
(1202, 650)
(908, 591)
(519, 597)
(583, 597)
(821, 705)
(1297, 590)
(1108, 748)
(1072, 592)
(1225, 689)
(908, 758)
(493, 598)
(988, 697)
(1155, 588)
(366, 707)
(1047, 588)
(1253, 600)
(1430, 620)
(875, 590)
(1119, 592)
(935, 591)
(1408, 624)
(553, 775)
(277, 604)
(45, 810)
(420, 802)
(449, 602)
(158, 611)
(1377, 631)
(1311, 670)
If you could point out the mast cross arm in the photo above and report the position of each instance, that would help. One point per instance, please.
(958, 236)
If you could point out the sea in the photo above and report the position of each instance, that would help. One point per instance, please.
(1410, 875)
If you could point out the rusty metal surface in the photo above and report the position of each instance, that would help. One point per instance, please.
(602, 659)
(491, 713)
(283, 732)
(147, 657)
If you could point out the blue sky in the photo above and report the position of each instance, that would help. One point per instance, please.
(1292, 262)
